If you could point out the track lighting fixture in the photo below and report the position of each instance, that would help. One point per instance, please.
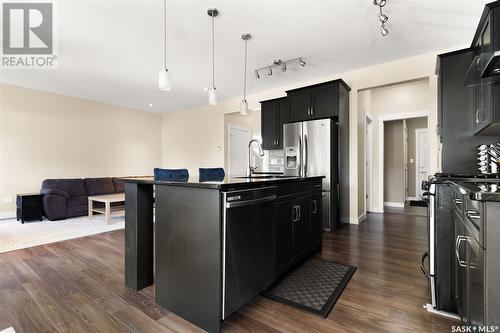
(382, 17)
(283, 64)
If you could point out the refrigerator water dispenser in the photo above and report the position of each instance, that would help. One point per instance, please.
(292, 158)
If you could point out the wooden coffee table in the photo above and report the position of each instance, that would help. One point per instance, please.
(108, 210)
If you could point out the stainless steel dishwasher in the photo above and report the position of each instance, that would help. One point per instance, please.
(248, 265)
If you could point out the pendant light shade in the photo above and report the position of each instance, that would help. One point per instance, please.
(244, 108)
(164, 80)
(163, 76)
(212, 92)
(212, 96)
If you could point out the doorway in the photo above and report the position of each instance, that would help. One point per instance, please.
(369, 162)
(422, 158)
(238, 138)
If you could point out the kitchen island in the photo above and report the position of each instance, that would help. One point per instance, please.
(217, 243)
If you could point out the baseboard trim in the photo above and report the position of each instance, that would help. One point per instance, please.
(376, 211)
(395, 204)
(7, 216)
(362, 217)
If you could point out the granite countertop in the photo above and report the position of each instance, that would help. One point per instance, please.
(223, 184)
(480, 190)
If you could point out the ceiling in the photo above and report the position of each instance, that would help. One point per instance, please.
(111, 51)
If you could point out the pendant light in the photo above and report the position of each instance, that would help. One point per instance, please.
(212, 92)
(244, 103)
(163, 76)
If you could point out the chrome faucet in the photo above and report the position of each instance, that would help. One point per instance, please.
(261, 153)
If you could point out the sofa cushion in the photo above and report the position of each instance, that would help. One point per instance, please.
(119, 185)
(98, 186)
(73, 187)
(78, 201)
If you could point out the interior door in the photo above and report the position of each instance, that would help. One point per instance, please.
(238, 150)
(422, 153)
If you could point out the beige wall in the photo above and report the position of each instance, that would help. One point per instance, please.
(394, 162)
(209, 121)
(412, 125)
(45, 135)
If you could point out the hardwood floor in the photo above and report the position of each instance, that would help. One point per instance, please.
(77, 286)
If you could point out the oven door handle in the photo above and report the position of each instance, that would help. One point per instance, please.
(422, 259)
(250, 202)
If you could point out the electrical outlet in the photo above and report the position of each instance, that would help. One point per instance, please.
(7, 200)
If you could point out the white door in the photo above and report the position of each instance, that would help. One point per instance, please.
(238, 138)
(405, 160)
(422, 158)
(368, 160)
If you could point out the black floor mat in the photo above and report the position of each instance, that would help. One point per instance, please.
(315, 286)
(418, 203)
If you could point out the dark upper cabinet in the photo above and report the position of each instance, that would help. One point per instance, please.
(274, 113)
(299, 102)
(315, 102)
(483, 75)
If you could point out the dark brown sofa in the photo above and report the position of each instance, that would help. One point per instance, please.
(63, 198)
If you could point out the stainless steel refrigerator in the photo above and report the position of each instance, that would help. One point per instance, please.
(311, 149)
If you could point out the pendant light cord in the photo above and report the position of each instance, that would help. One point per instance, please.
(165, 34)
(245, 75)
(213, 53)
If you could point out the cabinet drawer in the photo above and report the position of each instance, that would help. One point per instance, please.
(294, 190)
(316, 186)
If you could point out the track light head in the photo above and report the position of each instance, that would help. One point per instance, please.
(269, 71)
(383, 30)
(383, 18)
(380, 3)
(257, 75)
(302, 62)
(283, 68)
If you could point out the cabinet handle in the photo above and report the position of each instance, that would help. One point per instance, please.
(295, 212)
(457, 250)
(478, 63)
(315, 207)
(312, 110)
(477, 116)
(298, 207)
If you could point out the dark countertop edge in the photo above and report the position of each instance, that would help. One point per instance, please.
(220, 186)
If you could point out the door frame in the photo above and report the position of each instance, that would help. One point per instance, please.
(418, 131)
(381, 120)
(369, 121)
(236, 127)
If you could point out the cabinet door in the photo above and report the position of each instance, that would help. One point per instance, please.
(461, 279)
(302, 228)
(325, 101)
(299, 102)
(475, 267)
(286, 214)
(316, 222)
(283, 118)
(269, 124)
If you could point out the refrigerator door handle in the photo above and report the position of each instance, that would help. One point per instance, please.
(306, 155)
(300, 157)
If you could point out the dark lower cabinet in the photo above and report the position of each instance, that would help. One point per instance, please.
(302, 227)
(298, 230)
(316, 222)
(284, 236)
